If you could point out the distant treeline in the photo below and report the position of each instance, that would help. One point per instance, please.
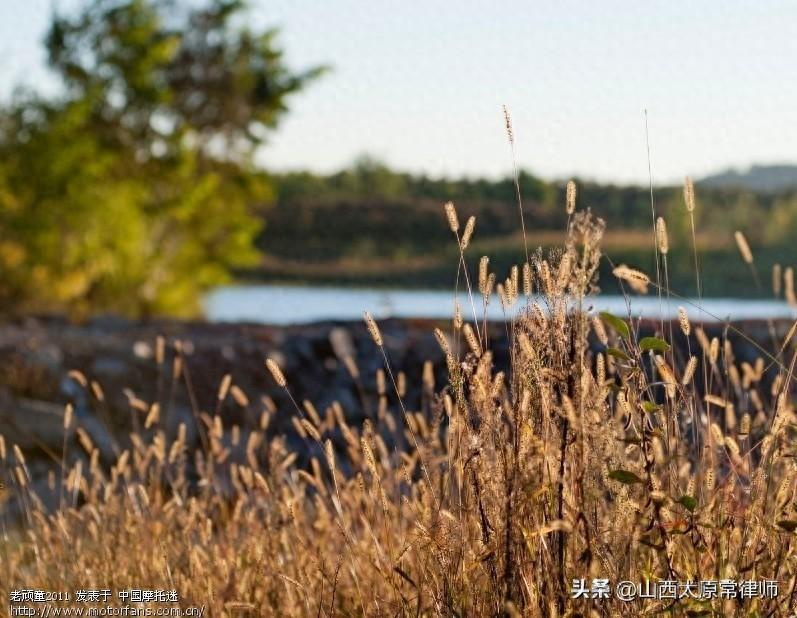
(371, 225)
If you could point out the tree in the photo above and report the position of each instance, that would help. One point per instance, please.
(132, 190)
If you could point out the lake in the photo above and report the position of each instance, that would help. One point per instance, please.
(282, 305)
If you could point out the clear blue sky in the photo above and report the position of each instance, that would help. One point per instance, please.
(420, 84)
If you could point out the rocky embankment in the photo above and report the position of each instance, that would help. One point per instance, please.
(112, 370)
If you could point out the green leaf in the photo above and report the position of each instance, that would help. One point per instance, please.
(789, 525)
(617, 354)
(688, 502)
(616, 323)
(654, 343)
(624, 476)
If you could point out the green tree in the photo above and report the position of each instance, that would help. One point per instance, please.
(132, 190)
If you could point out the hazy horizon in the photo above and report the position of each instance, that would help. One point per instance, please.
(421, 87)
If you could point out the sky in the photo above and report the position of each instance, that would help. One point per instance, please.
(419, 84)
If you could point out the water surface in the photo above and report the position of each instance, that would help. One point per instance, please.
(281, 305)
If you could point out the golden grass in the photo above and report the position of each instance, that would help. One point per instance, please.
(594, 454)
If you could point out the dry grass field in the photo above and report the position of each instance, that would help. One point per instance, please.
(598, 455)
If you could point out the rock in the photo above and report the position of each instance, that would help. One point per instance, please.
(32, 425)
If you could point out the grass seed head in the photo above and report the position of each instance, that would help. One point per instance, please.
(510, 134)
(744, 248)
(526, 279)
(276, 372)
(683, 320)
(689, 194)
(224, 387)
(451, 215)
(689, 371)
(470, 224)
(484, 264)
(570, 197)
(662, 239)
(473, 342)
(637, 280)
(373, 329)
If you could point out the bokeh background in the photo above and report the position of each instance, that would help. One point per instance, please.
(156, 150)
